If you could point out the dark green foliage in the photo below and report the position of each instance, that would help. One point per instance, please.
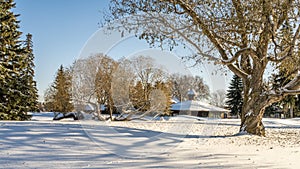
(235, 96)
(59, 97)
(16, 98)
(29, 84)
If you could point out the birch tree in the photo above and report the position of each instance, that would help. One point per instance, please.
(242, 35)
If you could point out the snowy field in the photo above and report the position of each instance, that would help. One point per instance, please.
(177, 142)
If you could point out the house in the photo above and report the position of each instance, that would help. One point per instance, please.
(198, 108)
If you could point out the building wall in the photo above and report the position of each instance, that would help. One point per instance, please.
(210, 114)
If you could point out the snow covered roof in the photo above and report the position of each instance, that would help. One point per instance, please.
(193, 105)
(174, 100)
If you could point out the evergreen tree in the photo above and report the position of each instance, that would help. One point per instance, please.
(235, 96)
(61, 92)
(137, 97)
(29, 84)
(289, 102)
(12, 65)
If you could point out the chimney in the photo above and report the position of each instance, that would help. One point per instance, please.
(191, 94)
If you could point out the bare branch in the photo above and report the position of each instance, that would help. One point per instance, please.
(284, 14)
(291, 92)
(294, 84)
(245, 51)
(239, 11)
(209, 33)
(289, 50)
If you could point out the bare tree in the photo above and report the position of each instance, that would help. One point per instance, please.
(147, 72)
(182, 83)
(218, 98)
(84, 88)
(49, 98)
(243, 35)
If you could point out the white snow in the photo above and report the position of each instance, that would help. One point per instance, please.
(175, 142)
(248, 114)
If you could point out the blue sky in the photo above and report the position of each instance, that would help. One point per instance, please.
(60, 28)
(65, 29)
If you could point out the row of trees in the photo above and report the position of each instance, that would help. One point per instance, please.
(145, 84)
(138, 82)
(100, 75)
(18, 92)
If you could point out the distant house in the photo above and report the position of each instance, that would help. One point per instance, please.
(198, 108)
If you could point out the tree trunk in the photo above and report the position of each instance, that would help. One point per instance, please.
(110, 105)
(252, 122)
(111, 113)
(253, 111)
(291, 111)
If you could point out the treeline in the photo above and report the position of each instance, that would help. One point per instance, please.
(137, 83)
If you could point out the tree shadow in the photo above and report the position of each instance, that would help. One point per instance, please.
(73, 145)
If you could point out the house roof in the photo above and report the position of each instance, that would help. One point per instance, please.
(174, 100)
(193, 105)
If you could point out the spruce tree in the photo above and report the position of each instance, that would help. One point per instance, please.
(29, 84)
(62, 92)
(234, 96)
(12, 65)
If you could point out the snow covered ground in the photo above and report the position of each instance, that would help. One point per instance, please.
(176, 142)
